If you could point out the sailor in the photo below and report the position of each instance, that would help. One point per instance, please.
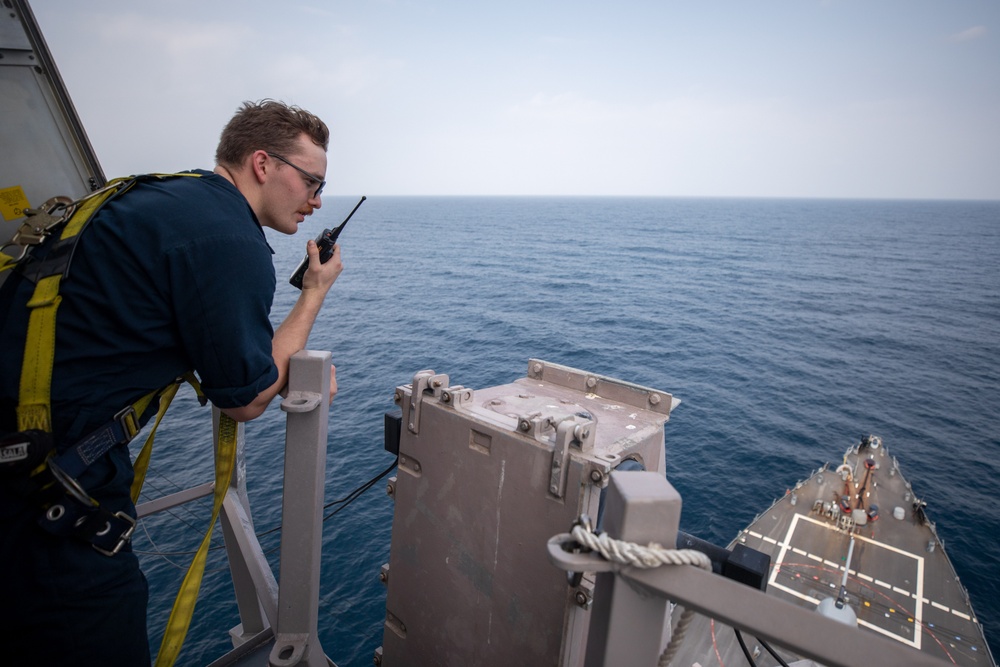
(173, 276)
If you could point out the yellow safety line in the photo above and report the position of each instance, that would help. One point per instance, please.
(141, 463)
(180, 615)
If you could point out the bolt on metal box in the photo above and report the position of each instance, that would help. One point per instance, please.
(485, 478)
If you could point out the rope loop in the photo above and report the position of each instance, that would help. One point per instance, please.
(629, 553)
(644, 557)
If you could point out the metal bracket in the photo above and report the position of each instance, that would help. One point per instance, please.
(423, 381)
(569, 432)
(289, 649)
(301, 401)
(635, 395)
(534, 425)
(456, 396)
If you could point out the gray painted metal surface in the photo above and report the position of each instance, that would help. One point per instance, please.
(46, 151)
(485, 478)
(628, 622)
(307, 405)
(255, 586)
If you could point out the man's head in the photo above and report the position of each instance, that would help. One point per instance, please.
(270, 126)
(276, 156)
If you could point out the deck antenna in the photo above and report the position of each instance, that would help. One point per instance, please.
(838, 609)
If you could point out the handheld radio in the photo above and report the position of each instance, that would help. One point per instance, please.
(325, 241)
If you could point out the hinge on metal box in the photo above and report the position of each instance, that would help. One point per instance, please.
(571, 431)
(423, 381)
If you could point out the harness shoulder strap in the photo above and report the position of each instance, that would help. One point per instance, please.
(34, 401)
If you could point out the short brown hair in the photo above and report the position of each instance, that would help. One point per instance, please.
(267, 125)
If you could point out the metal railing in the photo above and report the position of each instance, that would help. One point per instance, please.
(279, 625)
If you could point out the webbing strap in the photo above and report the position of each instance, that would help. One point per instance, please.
(7, 262)
(141, 463)
(33, 411)
(180, 615)
(118, 430)
(34, 402)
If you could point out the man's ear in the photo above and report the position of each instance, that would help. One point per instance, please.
(259, 165)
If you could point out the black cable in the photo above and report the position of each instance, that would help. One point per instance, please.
(746, 651)
(346, 500)
(763, 643)
(343, 502)
(353, 495)
(772, 652)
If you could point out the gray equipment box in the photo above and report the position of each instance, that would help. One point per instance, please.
(485, 478)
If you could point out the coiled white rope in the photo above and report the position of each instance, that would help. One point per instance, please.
(653, 555)
(629, 553)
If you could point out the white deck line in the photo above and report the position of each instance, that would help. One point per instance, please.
(918, 607)
(915, 643)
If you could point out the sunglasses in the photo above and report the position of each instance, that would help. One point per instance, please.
(312, 179)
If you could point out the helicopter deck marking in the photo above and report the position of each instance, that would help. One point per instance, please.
(915, 621)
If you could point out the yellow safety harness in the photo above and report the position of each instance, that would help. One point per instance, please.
(34, 413)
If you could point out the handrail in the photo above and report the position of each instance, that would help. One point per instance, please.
(280, 620)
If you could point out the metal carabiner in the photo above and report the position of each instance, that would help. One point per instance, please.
(39, 223)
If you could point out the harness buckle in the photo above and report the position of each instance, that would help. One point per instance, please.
(70, 486)
(128, 420)
(123, 538)
(107, 532)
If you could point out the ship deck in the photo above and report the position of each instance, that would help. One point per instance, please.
(901, 583)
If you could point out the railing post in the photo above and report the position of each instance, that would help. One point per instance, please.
(628, 622)
(253, 582)
(307, 405)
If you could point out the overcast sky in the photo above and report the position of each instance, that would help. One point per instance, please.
(796, 98)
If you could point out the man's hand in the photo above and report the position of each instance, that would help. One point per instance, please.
(319, 275)
(333, 382)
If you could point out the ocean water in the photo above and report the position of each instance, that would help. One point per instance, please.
(789, 329)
